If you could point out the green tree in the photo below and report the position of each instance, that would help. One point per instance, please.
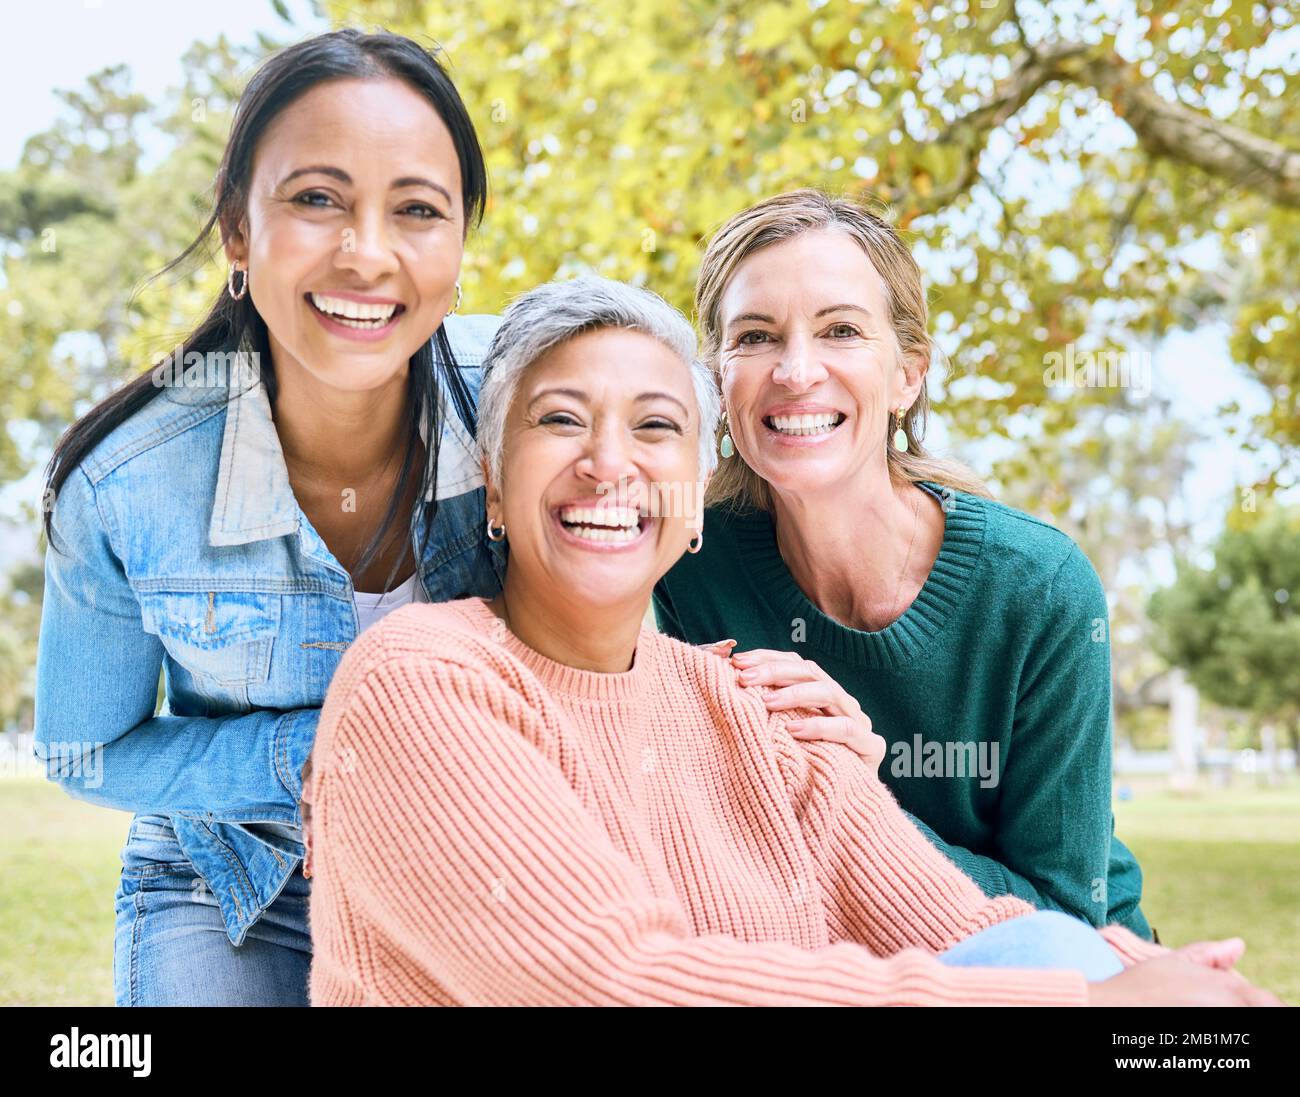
(1235, 626)
(1059, 168)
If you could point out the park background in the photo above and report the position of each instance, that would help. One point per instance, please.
(1105, 200)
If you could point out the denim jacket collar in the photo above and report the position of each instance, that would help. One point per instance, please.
(254, 500)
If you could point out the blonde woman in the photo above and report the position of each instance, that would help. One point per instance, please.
(856, 572)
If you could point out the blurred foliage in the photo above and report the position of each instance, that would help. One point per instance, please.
(620, 136)
(1060, 171)
(1235, 626)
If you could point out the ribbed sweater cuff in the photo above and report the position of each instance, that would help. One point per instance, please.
(1129, 946)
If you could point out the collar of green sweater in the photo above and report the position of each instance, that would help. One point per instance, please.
(907, 637)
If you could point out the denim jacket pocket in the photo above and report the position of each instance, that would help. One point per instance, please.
(222, 636)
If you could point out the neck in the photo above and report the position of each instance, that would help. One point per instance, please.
(312, 419)
(848, 551)
(602, 638)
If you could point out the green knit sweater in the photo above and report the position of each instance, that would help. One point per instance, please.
(992, 691)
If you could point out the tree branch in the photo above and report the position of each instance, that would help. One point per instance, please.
(1163, 128)
(1172, 130)
(971, 131)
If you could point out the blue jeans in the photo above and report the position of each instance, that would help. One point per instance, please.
(1044, 939)
(170, 946)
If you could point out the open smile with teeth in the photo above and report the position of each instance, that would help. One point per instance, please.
(602, 523)
(354, 314)
(821, 423)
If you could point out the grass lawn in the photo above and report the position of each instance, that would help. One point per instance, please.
(1220, 864)
(58, 872)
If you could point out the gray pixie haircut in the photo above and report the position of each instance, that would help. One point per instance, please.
(541, 319)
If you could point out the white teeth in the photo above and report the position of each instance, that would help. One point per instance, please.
(370, 316)
(609, 523)
(619, 517)
(821, 423)
(593, 533)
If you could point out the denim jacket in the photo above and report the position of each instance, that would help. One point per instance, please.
(183, 548)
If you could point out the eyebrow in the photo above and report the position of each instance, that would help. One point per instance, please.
(764, 319)
(578, 394)
(343, 177)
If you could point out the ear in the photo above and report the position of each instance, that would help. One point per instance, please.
(234, 243)
(909, 379)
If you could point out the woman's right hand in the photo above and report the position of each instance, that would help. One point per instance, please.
(1176, 980)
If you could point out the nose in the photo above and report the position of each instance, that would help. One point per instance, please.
(366, 247)
(608, 455)
(799, 368)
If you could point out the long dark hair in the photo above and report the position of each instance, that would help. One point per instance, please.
(292, 72)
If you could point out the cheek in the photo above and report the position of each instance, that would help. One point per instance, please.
(740, 388)
(436, 272)
(283, 258)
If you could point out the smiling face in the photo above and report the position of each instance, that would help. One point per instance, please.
(606, 408)
(354, 230)
(810, 365)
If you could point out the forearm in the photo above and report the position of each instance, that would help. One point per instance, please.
(988, 872)
(183, 765)
(994, 878)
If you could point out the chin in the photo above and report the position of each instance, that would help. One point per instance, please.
(588, 588)
(805, 477)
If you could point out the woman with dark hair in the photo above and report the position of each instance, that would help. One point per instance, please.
(237, 515)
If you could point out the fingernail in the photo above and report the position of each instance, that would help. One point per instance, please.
(747, 675)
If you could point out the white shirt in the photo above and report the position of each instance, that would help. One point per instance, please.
(371, 607)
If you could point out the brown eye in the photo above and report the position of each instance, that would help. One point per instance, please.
(428, 213)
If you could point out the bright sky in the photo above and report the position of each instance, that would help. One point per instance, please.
(58, 43)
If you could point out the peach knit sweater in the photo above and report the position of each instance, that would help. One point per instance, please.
(492, 827)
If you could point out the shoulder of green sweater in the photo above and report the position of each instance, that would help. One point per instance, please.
(723, 526)
(1046, 562)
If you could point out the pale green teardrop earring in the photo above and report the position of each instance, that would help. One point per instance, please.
(900, 435)
(725, 447)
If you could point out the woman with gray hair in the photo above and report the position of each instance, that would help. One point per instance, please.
(580, 810)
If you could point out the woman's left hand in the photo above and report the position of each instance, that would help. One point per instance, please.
(801, 683)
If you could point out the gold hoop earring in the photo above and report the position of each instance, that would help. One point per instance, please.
(230, 283)
(900, 435)
(457, 306)
(498, 537)
(697, 541)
